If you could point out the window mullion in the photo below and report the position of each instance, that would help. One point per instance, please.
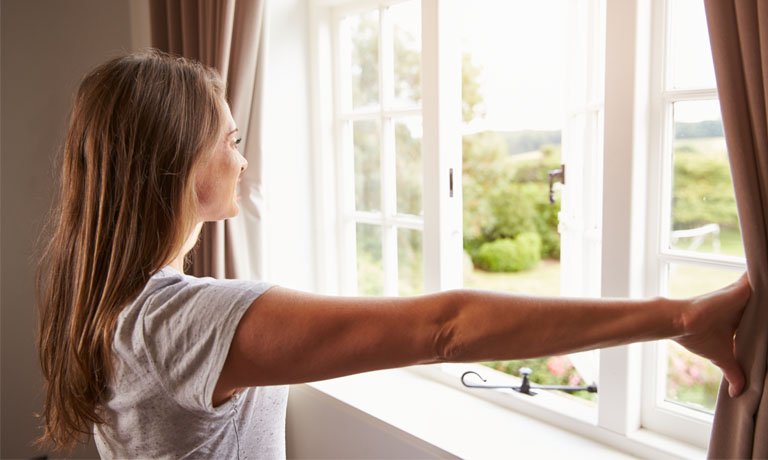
(441, 145)
(345, 147)
(387, 156)
(348, 243)
(389, 204)
(689, 94)
(623, 192)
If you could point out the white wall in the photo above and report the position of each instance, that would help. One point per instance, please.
(287, 152)
(47, 46)
(319, 426)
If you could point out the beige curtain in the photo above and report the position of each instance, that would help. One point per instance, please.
(738, 32)
(230, 36)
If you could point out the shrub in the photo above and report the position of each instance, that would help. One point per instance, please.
(509, 255)
(505, 197)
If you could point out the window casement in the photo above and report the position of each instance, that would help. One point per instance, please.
(388, 179)
(694, 243)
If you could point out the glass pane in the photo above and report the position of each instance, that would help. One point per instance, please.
(406, 24)
(370, 271)
(410, 268)
(363, 31)
(704, 217)
(513, 107)
(691, 55)
(365, 135)
(690, 280)
(692, 380)
(408, 165)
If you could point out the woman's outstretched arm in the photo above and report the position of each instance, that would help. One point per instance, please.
(291, 337)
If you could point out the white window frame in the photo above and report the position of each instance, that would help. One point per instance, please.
(441, 222)
(627, 270)
(658, 414)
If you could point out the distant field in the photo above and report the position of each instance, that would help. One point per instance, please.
(706, 145)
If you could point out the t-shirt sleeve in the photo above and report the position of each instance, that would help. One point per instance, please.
(187, 332)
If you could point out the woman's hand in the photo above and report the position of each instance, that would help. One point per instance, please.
(710, 323)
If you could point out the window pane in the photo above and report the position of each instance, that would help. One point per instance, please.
(406, 22)
(363, 31)
(408, 165)
(513, 107)
(690, 280)
(365, 136)
(704, 217)
(691, 55)
(410, 268)
(370, 270)
(692, 380)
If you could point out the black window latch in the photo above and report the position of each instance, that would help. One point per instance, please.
(526, 386)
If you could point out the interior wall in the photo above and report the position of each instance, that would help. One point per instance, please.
(46, 47)
(289, 258)
(318, 427)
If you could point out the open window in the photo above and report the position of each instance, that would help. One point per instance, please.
(404, 160)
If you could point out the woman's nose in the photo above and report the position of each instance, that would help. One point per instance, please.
(243, 163)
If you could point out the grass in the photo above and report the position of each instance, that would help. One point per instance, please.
(730, 243)
(542, 279)
(691, 280)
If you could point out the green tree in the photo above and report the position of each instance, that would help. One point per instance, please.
(504, 197)
(471, 100)
(364, 33)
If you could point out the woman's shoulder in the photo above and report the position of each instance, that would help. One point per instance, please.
(171, 300)
(169, 287)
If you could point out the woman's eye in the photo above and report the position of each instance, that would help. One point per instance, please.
(236, 142)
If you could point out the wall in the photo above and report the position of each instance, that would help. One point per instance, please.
(287, 148)
(319, 426)
(47, 46)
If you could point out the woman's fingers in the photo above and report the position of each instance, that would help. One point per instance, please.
(711, 327)
(734, 375)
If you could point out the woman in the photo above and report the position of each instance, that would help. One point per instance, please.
(158, 364)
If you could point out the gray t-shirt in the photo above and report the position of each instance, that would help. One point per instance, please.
(169, 348)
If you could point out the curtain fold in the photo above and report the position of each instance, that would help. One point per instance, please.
(738, 32)
(229, 36)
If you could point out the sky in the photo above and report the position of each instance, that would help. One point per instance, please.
(522, 47)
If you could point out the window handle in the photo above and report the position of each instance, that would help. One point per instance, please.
(555, 174)
(526, 386)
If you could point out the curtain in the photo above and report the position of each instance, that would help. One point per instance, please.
(228, 35)
(738, 32)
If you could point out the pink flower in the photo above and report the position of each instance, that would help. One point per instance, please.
(558, 365)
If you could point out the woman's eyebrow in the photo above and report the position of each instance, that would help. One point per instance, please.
(232, 132)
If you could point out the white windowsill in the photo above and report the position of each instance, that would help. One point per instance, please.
(466, 426)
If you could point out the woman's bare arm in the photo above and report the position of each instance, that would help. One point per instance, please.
(291, 337)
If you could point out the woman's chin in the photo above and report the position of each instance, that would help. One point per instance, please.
(235, 210)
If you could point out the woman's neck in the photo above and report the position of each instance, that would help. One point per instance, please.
(189, 243)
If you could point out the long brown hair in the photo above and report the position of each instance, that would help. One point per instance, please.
(140, 125)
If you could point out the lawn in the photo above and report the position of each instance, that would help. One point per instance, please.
(542, 279)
